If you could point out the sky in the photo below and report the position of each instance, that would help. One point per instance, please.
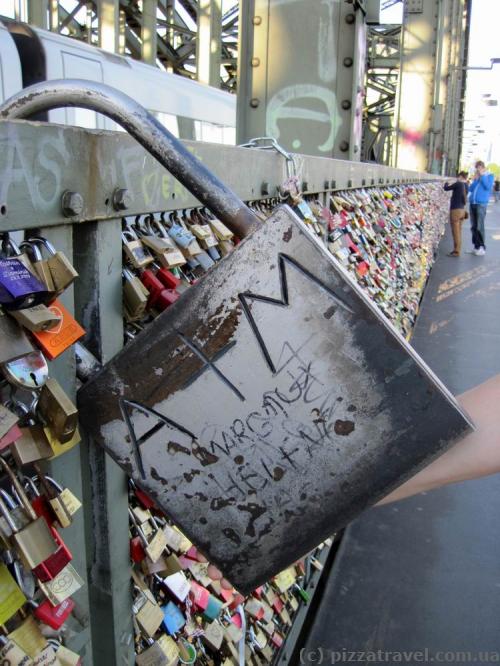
(484, 45)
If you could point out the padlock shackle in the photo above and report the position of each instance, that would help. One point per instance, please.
(147, 130)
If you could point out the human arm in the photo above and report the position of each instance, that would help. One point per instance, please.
(474, 456)
(449, 187)
(486, 181)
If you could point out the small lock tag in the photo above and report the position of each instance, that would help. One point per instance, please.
(36, 318)
(175, 540)
(29, 637)
(178, 585)
(213, 609)
(64, 585)
(19, 288)
(152, 656)
(220, 230)
(11, 596)
(10, 437)
(56, 446)
(54, 616)
(170, 649)
(156, 546)
(138, 255)
(285, 579)
(67, 657)
(47, 657)
(233, 633)
(62, 271)
(58, 410)
(254, 608)
(142, 515)
(15, 343)
(55, 341)
(213, 636)
(31, 447)
(173, 564)
(70, 500)
(28, 372)
(267, 653)
(149, 616)
(12, 655)
(173, 619)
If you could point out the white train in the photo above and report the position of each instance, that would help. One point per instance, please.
(189, 109)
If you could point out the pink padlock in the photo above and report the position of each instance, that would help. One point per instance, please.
(10, 437)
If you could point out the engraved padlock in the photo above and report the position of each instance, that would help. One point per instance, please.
(15, 343)
(61, 269)
(35, 542)
(32, 444)
(135, 295)
(40, 265)
(19, 288)
(138, 255)
(58, 410)
(55, 500)
(29, 371)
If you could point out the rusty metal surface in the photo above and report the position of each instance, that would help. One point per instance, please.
(270, 405)
(147, 130)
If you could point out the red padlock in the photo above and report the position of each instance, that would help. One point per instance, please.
(54, 616)
(163, 299)
(137, 552)
(167, 278)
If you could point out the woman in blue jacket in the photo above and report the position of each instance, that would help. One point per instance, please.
(479, 195)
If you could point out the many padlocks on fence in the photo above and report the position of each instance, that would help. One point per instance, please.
(38, 422)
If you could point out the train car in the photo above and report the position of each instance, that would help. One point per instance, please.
(187, 108)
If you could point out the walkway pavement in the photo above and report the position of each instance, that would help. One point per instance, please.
(425, 572)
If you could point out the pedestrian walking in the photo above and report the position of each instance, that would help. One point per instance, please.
(458, 213)
(479, 196)
(496, 190)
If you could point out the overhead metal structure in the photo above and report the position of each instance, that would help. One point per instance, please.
(380, 117)
(430, 105)
(162, 32)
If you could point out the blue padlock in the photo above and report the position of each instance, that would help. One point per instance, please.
(181, 236)
(173, 619)
(213, 609)
(19, 288)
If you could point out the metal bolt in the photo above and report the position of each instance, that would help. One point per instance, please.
(348, 62)
(255, 62)
(254, 102)
(345, 104)
(344, 146)
(350, 18)
(121, 199)
(71, 203)
(257, 20)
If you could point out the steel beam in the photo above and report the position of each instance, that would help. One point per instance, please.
(54, 15)
(108, 12)
(302, 86)
(431, 77)
(38, 13)
(148, 33)
(208, 42)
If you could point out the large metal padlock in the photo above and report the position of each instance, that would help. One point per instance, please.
(273, 402)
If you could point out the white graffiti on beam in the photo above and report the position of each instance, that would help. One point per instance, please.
(279, 108)
(39, 165)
